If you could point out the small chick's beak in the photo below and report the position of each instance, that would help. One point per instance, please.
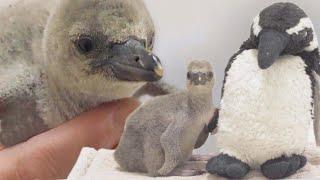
(132, 62)
(271, 45)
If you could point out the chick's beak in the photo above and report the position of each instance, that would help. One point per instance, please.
(153, 63)
(132, 62)
(159, 70)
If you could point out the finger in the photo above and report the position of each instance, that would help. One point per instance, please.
(52, 154)
(1, 147)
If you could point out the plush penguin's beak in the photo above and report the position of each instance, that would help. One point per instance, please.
(132, 62)
(271, 45)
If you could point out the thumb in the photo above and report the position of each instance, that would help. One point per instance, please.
(52, 154)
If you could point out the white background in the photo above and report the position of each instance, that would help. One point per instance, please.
(210, 30)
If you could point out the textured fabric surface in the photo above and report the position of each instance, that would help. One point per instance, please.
(100, 164)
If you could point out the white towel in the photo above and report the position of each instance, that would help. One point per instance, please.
(95, 165)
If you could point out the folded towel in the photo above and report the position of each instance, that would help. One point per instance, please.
(95, 165)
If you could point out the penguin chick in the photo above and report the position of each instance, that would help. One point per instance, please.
(268, 96)
(59, 58)
(161, 135)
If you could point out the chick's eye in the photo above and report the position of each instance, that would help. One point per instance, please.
(85, 45)
(189, 75)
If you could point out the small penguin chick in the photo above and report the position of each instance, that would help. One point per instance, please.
(161, 135)
(59, 58)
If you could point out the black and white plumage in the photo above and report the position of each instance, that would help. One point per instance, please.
(270, 96)
(59, 58)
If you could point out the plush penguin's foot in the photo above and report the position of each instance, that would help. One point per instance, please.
(227, 166)
(283, 167)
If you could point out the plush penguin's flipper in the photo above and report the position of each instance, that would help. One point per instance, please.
(317, 108)
(156, 89)
(213, 125)
(202, 138)
(210, 128)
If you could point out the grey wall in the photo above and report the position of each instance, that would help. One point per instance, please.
(207, 29)
(212, 30)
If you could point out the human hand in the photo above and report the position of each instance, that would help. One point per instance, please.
(52, 154)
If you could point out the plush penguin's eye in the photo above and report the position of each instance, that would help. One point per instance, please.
(84, 44)
(304, 33)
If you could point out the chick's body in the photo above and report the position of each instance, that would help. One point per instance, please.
(161, 135)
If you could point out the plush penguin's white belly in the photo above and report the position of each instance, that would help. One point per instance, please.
(265, 113)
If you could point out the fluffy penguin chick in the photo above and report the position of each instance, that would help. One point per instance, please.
(161, 134)
(59, 58)
(268, 96)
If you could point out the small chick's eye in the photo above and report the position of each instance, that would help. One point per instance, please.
(189, 75)
(210, 75)
(84, 45)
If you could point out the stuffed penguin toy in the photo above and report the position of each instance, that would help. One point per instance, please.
(269, 97)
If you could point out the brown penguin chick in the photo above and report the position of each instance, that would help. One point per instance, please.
(160, 136)
(59, 58)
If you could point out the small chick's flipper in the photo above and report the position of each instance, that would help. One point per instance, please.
(316, 101)
(153, 157)
(171, 147)
(283, 167)
(158, 88)
(227, 166)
